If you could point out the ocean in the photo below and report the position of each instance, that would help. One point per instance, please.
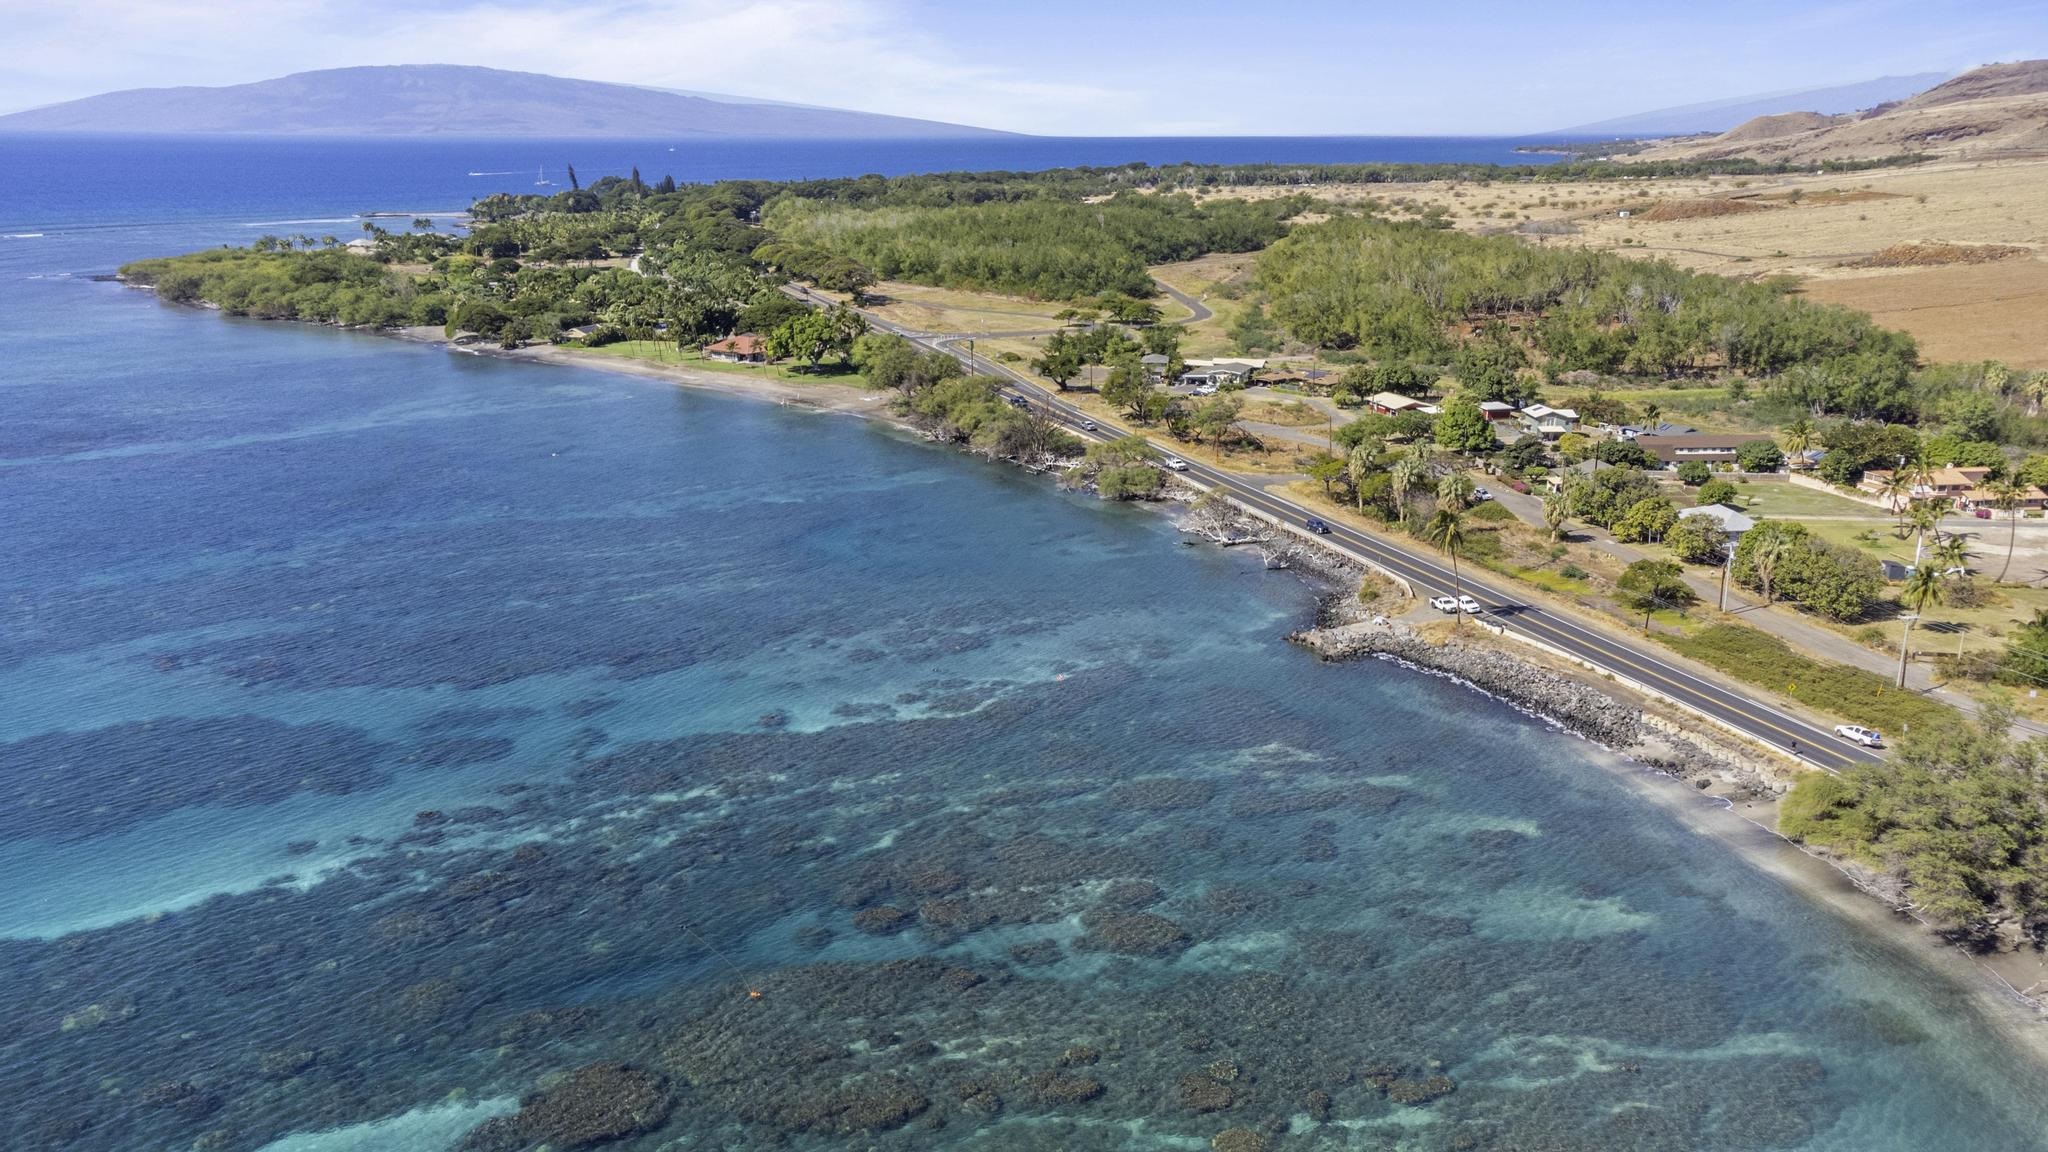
(389, 735)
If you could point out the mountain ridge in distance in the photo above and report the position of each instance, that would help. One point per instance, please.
(459, 100)
(1722, 115)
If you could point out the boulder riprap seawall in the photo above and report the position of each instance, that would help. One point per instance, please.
(1577, 707)
(1669, 745)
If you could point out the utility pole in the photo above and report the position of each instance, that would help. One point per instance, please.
(1903, 638)
(1726, 565)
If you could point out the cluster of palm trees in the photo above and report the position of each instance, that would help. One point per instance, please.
(1922, 516)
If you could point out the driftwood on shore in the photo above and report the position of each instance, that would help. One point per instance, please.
(1215, 519)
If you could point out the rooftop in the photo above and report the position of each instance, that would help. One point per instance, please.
(1732, 521)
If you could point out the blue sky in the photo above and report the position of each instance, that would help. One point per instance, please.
(1072, 67)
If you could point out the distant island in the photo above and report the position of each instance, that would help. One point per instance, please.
(456, 100)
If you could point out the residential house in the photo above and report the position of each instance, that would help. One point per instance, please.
(1557, 480)
(2031, 499)
(1661, 428)
(745, 348)
(1705, 447)
(1547, 422)
(1220, 371)
(1154, 364)
(1965, 487)
(1388, 403)
(1731, 520)
(1496, 410)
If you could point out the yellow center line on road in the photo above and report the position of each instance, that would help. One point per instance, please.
(1606, 649)
(1699, 695)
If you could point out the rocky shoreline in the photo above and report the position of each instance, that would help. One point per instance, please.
(1577, 707)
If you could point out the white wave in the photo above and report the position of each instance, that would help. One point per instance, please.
(24, 235)
(419, 1130)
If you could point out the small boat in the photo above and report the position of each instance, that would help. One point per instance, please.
(542, 181)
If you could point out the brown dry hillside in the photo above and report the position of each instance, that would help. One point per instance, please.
(1991, 82)
(1996, 111)
(1773, 127)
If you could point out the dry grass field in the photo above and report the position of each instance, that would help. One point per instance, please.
(1962, 312)
(1815, 227)
(944, 310)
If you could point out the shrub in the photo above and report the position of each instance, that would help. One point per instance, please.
(1651, 584)
(1647, 519)
(1821, 809)
(1697, 540)
(1852, 694)
(1759, 456)
(1129, 482)
(1694, 473)
(1717, 492)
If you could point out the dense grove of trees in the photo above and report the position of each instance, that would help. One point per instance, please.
(1957, 816)
(1399, 291)
(1051, 249)
(331, 286)
(1783, 559)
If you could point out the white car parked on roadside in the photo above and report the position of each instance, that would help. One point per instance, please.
(1868, 737)
(1468, 606)
(1443, 603)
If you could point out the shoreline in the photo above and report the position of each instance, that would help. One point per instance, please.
(1687, 757)
(1679, 749)
(823, 396)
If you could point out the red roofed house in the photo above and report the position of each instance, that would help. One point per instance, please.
(745, 348)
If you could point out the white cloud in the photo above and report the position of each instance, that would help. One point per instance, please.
(866, 54)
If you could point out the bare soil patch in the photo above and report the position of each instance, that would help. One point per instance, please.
(1934, 254)
(1669, 210)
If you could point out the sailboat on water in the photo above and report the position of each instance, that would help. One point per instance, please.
(542, 181)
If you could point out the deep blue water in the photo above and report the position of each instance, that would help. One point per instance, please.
(388, 731)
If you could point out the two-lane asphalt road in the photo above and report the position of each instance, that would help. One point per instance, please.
(1629, 660)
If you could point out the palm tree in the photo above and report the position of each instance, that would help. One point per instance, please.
(2005, 496)
(1358, 467)
(1925, 516)
(1897, 493)
(1650, 414)
(1952, 550)
(1770, 552)
(1925, 586)
(1455, 490)
(1446, 530)
(1798, 435)
(2036, 392)
(1407, 474)
(1556, 508)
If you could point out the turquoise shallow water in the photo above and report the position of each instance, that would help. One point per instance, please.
(388, 732)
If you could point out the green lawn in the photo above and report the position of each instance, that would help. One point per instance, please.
(663, 352)
(1787, 501)
(1852, 694)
